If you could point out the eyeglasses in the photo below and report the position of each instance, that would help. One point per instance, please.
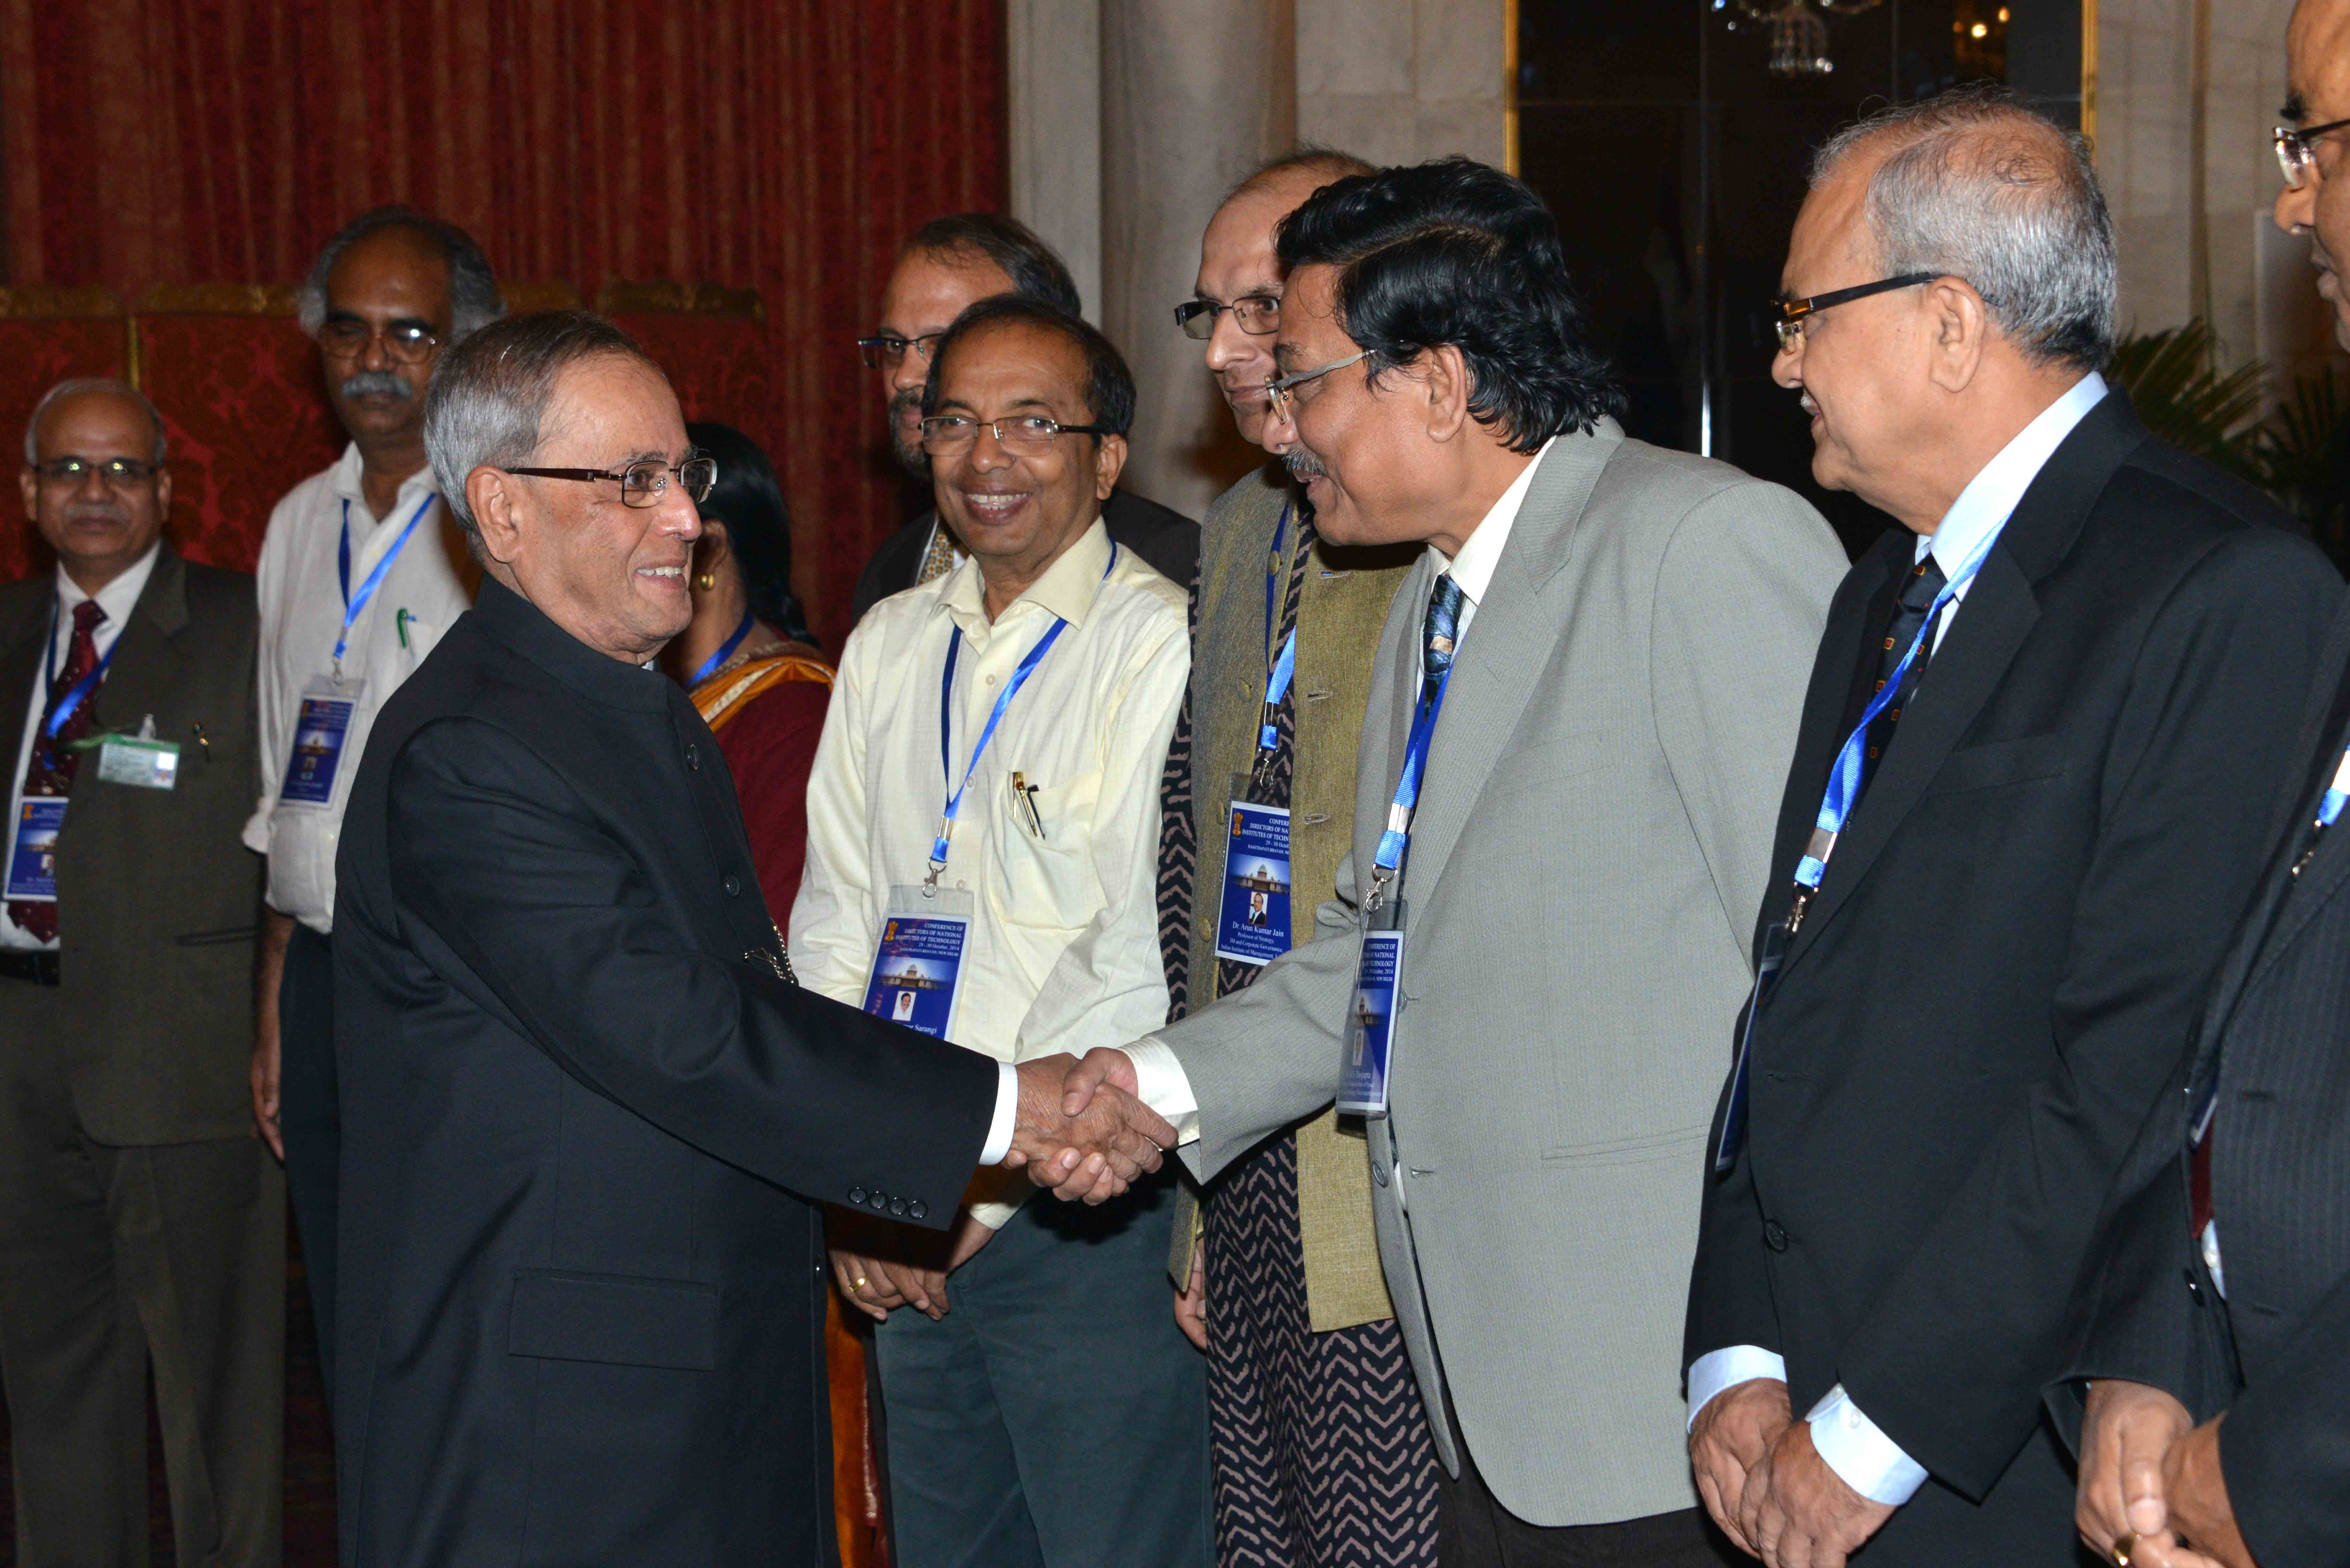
(1028, 435)
(643, 483)
(883, 352)
(1277, 387)
(1793, 312)
(2296, 150)
(122, 473)
(1254, 313)
(409, 342)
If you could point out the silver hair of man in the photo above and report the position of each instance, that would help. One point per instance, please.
(474, 298)
(1978, 186)
(158, 454)
(486, 404)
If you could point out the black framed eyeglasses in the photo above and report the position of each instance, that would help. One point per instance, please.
(1793, 312)
(1029, 435)
(409, 342)
(883, 350)
(120, 473)
(1254, 313)
(643, 483)
(2296, 150)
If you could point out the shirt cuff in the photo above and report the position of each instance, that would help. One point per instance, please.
(1720, 1371)
(1007, 1110)
(1867, 1461)
(1161, 1084)
(255, 835)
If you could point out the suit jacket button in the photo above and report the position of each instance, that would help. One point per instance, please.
(733, 885)
(857, 1195)
(898, 1207)
(1378, 1173)
(877, 1202)
(694, 758)
(918, 1209)
(1774, 1235)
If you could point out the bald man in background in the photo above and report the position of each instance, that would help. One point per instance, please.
(141, 1223)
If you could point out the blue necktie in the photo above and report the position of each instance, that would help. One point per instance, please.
(1439, 636)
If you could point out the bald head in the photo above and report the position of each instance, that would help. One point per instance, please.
(2317, 66)
(94, 482)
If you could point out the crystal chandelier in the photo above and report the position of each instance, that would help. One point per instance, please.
(1799, 36)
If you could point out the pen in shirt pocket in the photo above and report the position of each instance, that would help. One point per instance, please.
(1023, 798)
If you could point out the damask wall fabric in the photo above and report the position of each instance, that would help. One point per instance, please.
(783, 146)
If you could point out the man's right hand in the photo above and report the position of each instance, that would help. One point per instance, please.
(2126, 1430)
(1735, 1429)
(1094, 1152)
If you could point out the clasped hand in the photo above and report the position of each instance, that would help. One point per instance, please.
(2150, 1475)
(1767, 1487)
(1091, 1144)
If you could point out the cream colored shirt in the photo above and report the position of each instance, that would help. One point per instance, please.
(1064, 951)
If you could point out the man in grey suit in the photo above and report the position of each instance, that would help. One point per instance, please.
(1630, 630)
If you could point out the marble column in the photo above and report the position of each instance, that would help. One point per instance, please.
(1400, 81)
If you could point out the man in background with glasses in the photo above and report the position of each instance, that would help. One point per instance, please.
(361, 573)
(1319, 1441)
(984, 812)
(2219, 1413)
(949, 263)
(142, 1226)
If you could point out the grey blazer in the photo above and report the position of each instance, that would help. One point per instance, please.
(1585, 870)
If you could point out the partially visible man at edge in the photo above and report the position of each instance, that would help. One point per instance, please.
(2219, 1306)
(360, 574)
(945, 266)
(591, 1109)
(1277, 1270)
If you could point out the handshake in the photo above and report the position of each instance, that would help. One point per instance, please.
(1080, 1129)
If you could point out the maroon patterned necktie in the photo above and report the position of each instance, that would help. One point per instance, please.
(50, 771)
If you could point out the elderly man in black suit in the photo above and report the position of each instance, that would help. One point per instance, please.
(2020, 812)
(141, 1223)
(2219, 1310)
(587, 1110)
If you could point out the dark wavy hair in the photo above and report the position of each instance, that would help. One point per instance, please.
(1456, 252)
(1109, 385)
(748, 499)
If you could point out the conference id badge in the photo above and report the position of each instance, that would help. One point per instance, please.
(1733, 1114)
(321, 727)
(918, 963)
(1252, 921)
(140, 761)
(33, 850)
(1371, 1022)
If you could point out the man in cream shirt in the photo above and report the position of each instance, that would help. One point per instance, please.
(1023, 924)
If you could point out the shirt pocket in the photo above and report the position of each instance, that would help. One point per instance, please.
(1044, 879)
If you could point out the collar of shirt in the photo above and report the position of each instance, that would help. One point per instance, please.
(117, 600)
(1482, 552)
(1991, 497)
(1067, 590)
(350, 484)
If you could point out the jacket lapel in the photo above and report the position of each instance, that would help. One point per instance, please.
(21, 648)
(1504, 653)
(139, 679)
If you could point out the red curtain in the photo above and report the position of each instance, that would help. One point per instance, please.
(780, 145)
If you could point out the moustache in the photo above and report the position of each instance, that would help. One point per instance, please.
(1303, 464)
(378, 384)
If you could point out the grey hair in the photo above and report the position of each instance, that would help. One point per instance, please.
(486, 404)
(1981, 187)
(74, 388)
(474, 298)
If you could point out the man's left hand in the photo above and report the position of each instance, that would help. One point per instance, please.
(2199, 1510)
(1797, 1512)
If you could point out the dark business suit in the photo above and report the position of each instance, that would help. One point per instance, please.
(140, 1218)
(1160, 534)
(2275, 1038)
(584, 1124)
(2012, 934)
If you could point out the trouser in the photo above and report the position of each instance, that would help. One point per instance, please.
(311, 1122)
(112, 1260)
(1474, 1531)
(1056, 1417)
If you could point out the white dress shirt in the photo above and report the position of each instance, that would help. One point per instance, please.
(117, 600)
(1063, 952)
(1852, 1445)
(1159, 1076)
(301, 601)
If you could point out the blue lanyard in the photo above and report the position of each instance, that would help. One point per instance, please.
(1389, 858)
(354, 604)
(1036, 655)
(1285, 667)
(1844, 779)
(81, 688)
(726, 651)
